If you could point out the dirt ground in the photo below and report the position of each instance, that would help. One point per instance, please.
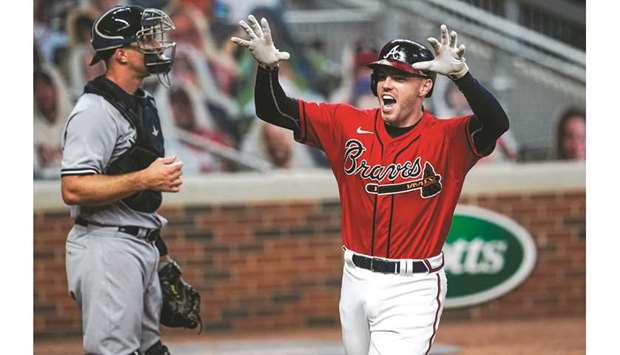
(547, 336)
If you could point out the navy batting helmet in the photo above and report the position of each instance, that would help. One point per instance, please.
(123, 25)
(400, 54)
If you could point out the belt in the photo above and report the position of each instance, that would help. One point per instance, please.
(395, 266)
(385, 266)
(149, 235)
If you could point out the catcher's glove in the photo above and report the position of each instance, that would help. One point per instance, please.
(181, 302)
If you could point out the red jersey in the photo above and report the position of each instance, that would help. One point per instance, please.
(397, 194)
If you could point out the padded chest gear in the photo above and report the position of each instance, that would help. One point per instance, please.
(140, 111)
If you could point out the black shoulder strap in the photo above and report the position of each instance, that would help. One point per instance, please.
(104, 88)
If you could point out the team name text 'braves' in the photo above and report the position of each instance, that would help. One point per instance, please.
(353, 165)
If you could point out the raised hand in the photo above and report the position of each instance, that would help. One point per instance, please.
(260, 43)
(449, 59)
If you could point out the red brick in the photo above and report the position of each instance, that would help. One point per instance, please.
(307, 253)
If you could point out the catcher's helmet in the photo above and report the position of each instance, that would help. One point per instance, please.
(400, 54)
(123, 25)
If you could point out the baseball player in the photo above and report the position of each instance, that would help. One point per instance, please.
(113, 174)
(399, 171)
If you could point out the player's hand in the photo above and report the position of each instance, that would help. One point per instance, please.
(260, 42)
(449, 58)
(164, 174)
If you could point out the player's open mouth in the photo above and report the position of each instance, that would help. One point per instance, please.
(388, 102)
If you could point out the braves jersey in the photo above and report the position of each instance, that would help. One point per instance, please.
(398, 194)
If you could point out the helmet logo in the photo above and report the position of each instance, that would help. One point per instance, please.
(125, 24)
(394, 54)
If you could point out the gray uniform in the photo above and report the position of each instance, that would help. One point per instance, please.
(111, 274)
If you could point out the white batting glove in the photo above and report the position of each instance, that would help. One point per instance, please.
(449, 58)
(260, 43)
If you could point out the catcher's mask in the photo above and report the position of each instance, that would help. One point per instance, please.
(149, 28)
(400, 54)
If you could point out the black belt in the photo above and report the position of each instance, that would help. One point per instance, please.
(385, 266)
(149, 235)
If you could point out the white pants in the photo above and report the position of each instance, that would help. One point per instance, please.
(388, 314)
(113, 277)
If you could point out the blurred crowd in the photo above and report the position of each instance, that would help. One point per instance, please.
(208, 114)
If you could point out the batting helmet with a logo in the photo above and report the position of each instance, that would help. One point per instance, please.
(400, 54)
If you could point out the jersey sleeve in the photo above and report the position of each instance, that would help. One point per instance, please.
(462, 143)
(89, 138)
(319, 125)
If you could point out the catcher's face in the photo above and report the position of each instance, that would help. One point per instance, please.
(135, 59)
(400, 96)
(155, 41)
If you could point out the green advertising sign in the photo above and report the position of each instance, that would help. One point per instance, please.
(486, 255)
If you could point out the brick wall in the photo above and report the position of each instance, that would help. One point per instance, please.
(278, 265)
(557, 285)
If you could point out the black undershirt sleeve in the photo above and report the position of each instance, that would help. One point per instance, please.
(489, 121)
(272, 104)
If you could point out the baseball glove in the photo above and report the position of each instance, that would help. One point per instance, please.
(181, 302)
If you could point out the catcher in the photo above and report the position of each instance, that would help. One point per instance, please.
(113, 174)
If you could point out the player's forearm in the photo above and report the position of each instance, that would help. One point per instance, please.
(96, 190)
(485, 106)
(272, 104)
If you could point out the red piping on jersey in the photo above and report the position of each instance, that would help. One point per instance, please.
(374, 220)
(389, 238)
(430, 341)
(424, 243)
(470, 139)
(387, 252)
(374, 209)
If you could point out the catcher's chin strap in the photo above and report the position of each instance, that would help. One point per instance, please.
(157, 349)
